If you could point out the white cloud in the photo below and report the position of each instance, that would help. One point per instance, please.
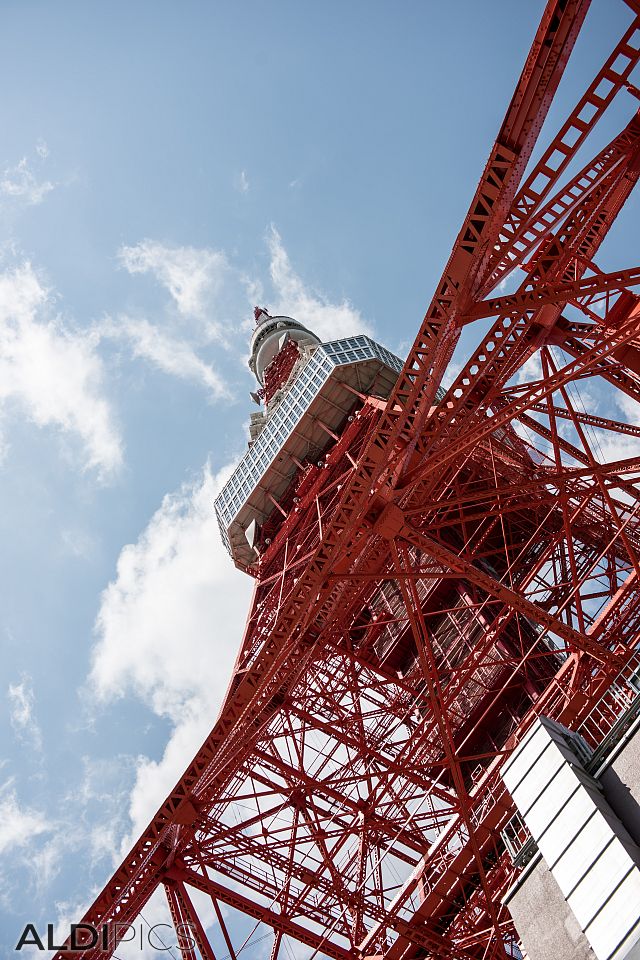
(169, 628)
(172, 355)
(628, 407)
(53, 375)
(242, 182)
(45, 862)
(18, 825)
(22, 712)
(609, 445)
(155, 779)
(91, 820)
(531, 369)
(20, 183)
(192, 276)
(293, 298)
(76, 542)
(159, 625)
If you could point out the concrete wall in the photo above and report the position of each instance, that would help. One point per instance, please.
(545, 924)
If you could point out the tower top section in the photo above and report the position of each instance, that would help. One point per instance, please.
(320, 399)
(270, 336)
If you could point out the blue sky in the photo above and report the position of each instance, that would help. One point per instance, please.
(163, 167)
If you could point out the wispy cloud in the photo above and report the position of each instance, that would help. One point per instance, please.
(20, 183)
(241, 182)
(193, 276)
(19, 824)
(53, 375)
(295, 298)
(22, 712)
(173, 355)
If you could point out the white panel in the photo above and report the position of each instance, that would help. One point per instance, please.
(598, 884)
(593, 859)
(619, 916)
(579, 855)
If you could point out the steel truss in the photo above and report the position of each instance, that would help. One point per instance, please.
(459, 564)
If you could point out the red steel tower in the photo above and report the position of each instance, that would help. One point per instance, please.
(435, 568)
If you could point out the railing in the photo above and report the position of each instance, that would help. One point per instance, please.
(519, 843)
(613, 714)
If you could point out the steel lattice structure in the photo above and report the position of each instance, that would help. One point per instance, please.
(461, 562)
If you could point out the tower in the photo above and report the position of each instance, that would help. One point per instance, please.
(445, 575)
(312, 395)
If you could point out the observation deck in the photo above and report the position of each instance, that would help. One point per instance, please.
(313, 408)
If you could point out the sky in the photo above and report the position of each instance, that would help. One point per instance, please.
(165, 166)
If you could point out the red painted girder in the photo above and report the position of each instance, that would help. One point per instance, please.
(394, 767)
(611, 369)
(545, 476)
(387, 764)
(439, 702)
(562, 259)
(548, 705)
(449, 866)
(382, 827)
(610, 341)
(553, 703)
(512, 598)
(364, 422)
(179, 922)
(187, 923)
(559, 27)
(558, 292)
(513, 339)
(500, 509)
(542, 221)
(610, 79)
(277, 921)
(550, 368)
(560, 701)
(541, 510)
(523, 576)
(590, 419)
(579, 455)
(237, 864)
(142, 870)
